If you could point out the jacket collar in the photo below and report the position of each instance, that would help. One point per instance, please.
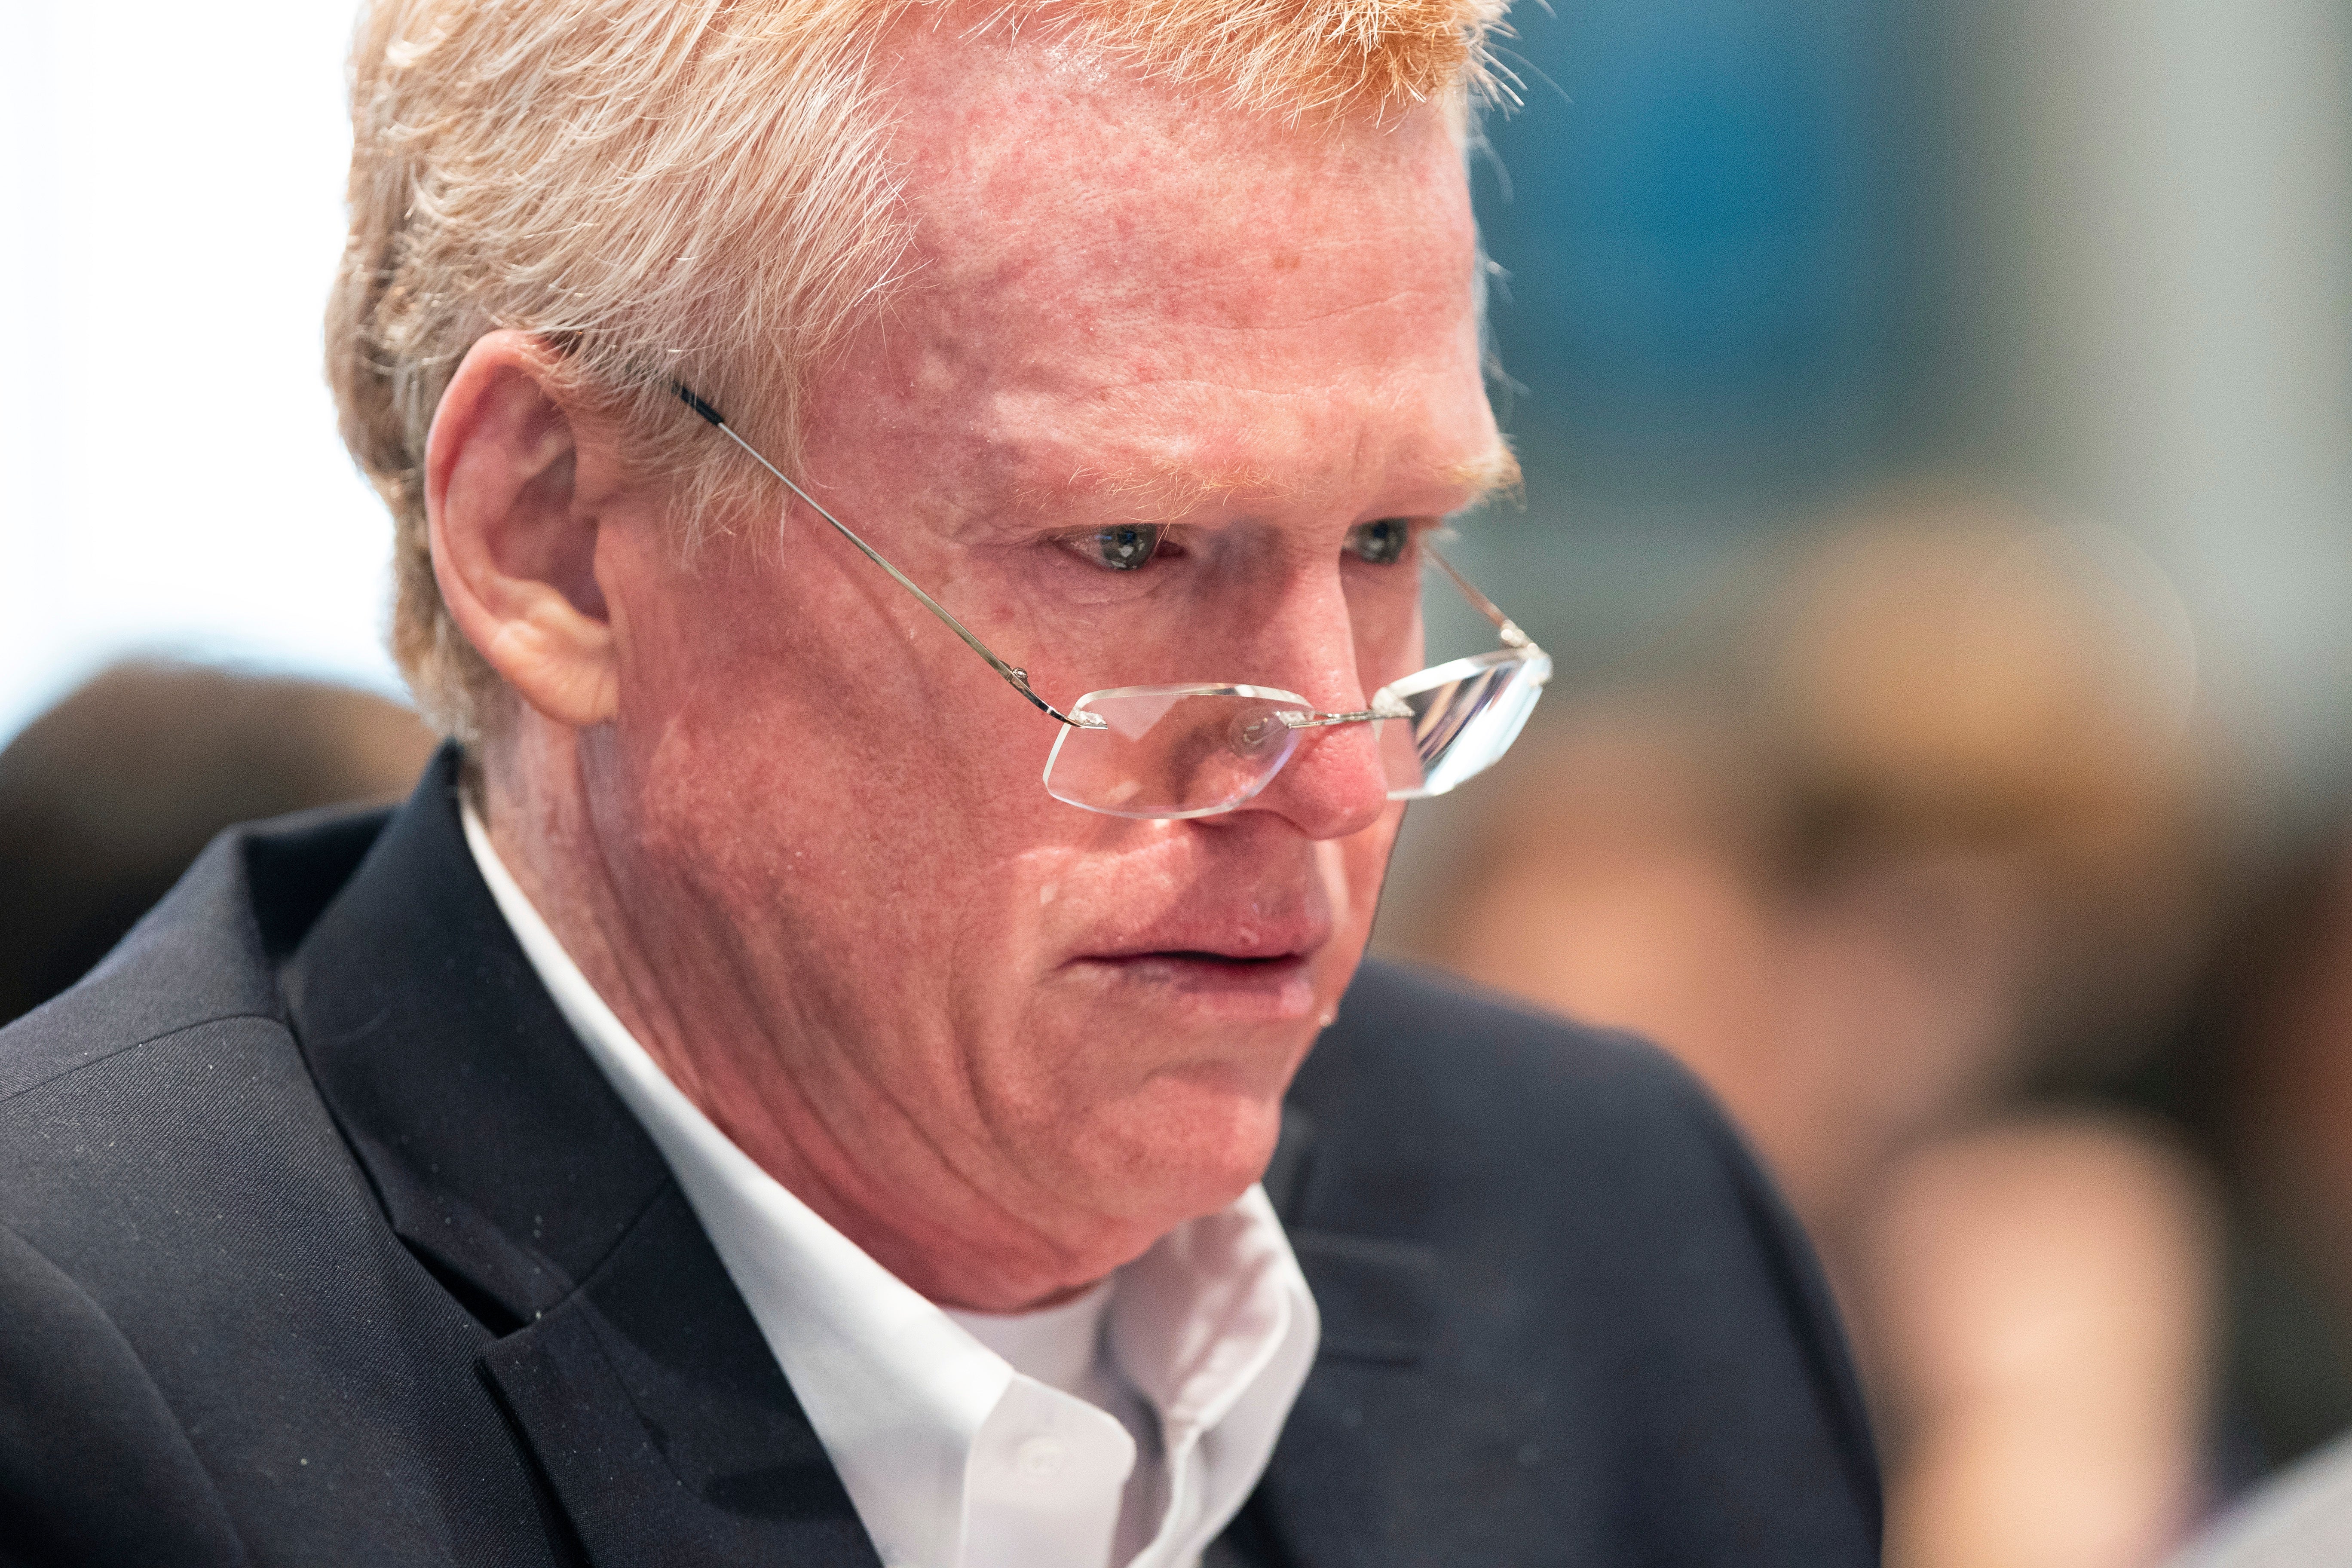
(500, 1155)
(628, 1364)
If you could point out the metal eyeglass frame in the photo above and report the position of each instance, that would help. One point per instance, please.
(1514, 639)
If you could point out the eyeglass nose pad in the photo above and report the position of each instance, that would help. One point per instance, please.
(1254, 733)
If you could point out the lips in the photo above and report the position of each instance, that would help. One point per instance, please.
(1245, 973)
(1238, 941)
(1230, 926)
(1224, 958)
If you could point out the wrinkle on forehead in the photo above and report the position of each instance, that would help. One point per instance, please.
(1166, 490)
(1171, 489)
(1024, 168)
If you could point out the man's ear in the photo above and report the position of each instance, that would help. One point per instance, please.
(514, 544)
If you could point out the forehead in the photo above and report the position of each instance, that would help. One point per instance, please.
(1121, 284)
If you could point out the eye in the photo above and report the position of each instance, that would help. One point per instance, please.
(1123, 547)
(1381, 542)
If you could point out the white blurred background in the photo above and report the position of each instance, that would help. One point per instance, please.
(172, 190)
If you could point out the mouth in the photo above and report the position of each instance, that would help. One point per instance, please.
(1208, 965)
(1251, 986)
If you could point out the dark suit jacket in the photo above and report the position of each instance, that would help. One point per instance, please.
(322, 1242)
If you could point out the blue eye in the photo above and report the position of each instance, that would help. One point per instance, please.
(1381, 542)
(1125, 546)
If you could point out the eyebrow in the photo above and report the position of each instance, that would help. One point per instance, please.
(1493, 472)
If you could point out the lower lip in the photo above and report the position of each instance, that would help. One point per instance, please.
(1274, 990)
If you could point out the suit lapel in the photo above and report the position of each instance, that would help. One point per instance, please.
(661, 1421)
(1381, 1302)
(1368, 1402)
(501, 1157)
(628, 1364)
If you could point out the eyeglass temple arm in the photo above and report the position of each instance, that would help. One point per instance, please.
(1015, 677)
(1512, 636)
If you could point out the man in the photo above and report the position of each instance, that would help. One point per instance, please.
(739, 1112)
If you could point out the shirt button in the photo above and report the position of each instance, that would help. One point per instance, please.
(1041, 1458)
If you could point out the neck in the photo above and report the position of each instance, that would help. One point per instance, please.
(790, 1087)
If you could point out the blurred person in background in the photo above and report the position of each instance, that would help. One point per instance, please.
(1924, 857)
(106, 799)
(2271, 1094)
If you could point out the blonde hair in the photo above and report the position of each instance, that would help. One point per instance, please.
(655, 185)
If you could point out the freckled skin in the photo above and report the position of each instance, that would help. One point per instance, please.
(809, 859)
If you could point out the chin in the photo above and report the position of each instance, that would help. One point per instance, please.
(1193, 1141)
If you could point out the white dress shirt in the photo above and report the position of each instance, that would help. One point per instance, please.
(1125, 1427)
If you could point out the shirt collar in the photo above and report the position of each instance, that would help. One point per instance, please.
(946, 1451)
(1060, 1346)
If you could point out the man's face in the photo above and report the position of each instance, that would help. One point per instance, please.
(1124, 306)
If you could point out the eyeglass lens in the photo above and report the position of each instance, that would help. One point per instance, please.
(1193, 751)
(1166, 751)
(1466, 714)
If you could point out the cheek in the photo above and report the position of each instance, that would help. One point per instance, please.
(842, 794)
(795, 678)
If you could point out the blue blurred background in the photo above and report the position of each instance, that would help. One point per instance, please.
(1761, 257)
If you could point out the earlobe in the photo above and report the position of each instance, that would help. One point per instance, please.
(514, 541)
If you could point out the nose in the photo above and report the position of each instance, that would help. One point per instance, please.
(1335, 783)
